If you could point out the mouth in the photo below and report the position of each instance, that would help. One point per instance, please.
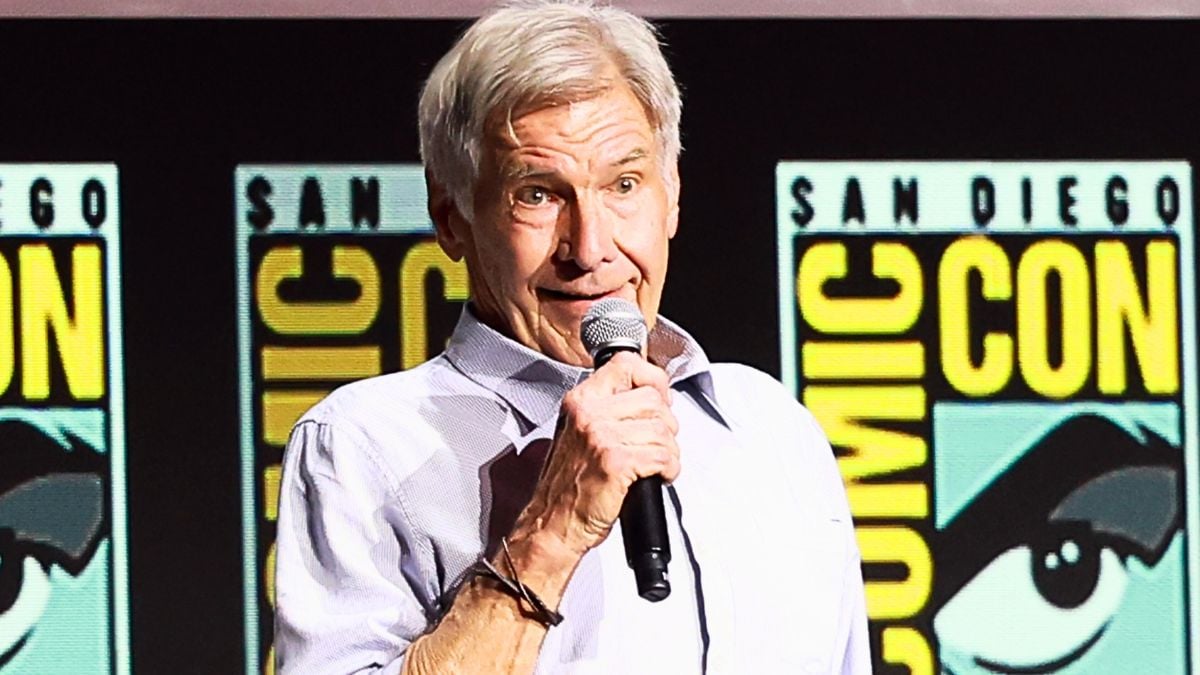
(570, 296)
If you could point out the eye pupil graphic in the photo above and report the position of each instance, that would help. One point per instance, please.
(1066, 570)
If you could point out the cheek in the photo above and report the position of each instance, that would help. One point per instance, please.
(514, 259)
(644, 241)
(626, 209)
(646, 217)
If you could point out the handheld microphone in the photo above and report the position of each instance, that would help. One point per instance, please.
(610, 326)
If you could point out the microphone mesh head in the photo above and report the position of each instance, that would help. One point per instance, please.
(612, 322)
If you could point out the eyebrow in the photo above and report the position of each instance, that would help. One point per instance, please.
(633, 156)
(517, 170)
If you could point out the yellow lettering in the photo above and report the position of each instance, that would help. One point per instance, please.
(43, 308)
(889, 260)
(888, 500)
(863, 360)
(319, 318)
(1033, 333)
(7, 337)
(270, 574)
(891, 600)
(271, 476)
(872, 451)
(320, 363)
(281, 409)
(961, 257)
(420, 260)
(1152, 331)
(907, 647)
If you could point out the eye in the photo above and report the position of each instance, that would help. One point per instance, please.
(1036, 607)
(26, 590)
(533, 195)
(1066, 571)
(626, 184)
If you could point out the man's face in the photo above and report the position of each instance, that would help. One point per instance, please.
(575, 210)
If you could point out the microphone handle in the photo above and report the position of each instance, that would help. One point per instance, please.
(644, 529)
(644, 524)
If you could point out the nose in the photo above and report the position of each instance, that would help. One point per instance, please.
(588, 240)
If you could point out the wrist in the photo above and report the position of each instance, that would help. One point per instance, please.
(544, 561)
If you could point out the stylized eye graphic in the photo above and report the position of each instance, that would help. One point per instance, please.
(1032, 571)
(1044, 605)
(27, 598)
(51, 513)
(1067, 571)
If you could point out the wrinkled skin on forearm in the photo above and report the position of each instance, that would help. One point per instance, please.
(485, 631)
(616, 427)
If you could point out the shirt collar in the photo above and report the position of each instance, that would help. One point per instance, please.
(535, 384)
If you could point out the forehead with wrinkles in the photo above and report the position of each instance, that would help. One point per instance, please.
(586, 131)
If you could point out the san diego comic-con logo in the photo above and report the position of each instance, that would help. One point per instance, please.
(63, 580)
(1003, 355)
(339, 279)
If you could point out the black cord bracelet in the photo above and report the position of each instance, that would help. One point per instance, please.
(513, 586)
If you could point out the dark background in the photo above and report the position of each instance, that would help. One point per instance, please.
(178, 104)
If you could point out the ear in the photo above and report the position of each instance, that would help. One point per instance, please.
(453, 232)
(673, 202)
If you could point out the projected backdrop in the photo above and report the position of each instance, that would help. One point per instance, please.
(63, 586)
(339, 279)
(1003, 354)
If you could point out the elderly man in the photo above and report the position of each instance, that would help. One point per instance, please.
(550, 134)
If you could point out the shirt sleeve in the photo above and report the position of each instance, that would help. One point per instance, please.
(852, 628)
(343, 604)
(857, 658)
(815, 468)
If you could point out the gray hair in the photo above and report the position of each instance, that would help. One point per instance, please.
(534, 53)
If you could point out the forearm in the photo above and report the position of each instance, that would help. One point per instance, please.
(485, 629)
(614, 428)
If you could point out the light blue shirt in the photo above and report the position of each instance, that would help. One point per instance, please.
(394, 486)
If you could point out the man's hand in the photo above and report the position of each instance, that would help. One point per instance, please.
(615, 427)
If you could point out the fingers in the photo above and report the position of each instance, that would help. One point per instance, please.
(645, 449)
(634, 431)
(627, 371)
(670, 468)
(614, 428)
(658, 453)
(649, 432)
(644, 403)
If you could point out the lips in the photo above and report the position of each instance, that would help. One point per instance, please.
(572, 296)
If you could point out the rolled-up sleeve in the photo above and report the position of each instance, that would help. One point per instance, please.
(343, 604)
